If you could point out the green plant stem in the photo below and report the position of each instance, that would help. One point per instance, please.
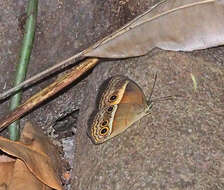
(26, 49)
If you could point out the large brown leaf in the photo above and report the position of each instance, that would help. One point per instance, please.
(6, 170)
(37, 160)
(171, 25)
(14, 175)
(22, 178)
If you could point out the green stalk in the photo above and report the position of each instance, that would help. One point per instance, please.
(26, 49)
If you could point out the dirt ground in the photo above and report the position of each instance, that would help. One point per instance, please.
(180, 146)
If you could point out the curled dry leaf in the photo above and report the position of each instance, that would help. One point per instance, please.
(37, 160)
(7, 166)
(23, 178)
(14, 175)
(171, 25)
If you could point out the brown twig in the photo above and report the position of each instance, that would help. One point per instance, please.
(49, 91)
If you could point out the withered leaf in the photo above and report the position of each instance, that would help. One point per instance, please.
(6, 170)
(23, 178)
(170, 25)
(14, 175)
(37, 154)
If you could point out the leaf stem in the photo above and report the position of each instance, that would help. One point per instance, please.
(23, 62)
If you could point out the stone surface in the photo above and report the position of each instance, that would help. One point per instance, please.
(178, 146)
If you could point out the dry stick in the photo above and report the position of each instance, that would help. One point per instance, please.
(49, 91)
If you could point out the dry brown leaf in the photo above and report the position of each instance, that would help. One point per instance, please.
(37, 153)
(176, 25)
(6, 170)
(3, 187)
(22, 179)
(15, 175)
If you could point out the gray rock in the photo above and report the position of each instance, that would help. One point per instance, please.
(174, 147)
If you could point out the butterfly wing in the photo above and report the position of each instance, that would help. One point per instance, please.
(121, 90)
(133, 94)
(126, 115)
(109, 124)
(113, 92)
(101, 127)
(122, 103)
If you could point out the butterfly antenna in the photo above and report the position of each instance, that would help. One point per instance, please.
(149, 100)
(163, 98)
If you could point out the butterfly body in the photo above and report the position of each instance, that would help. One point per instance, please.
(121, 104)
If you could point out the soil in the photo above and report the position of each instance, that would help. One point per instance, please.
(179, 146)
